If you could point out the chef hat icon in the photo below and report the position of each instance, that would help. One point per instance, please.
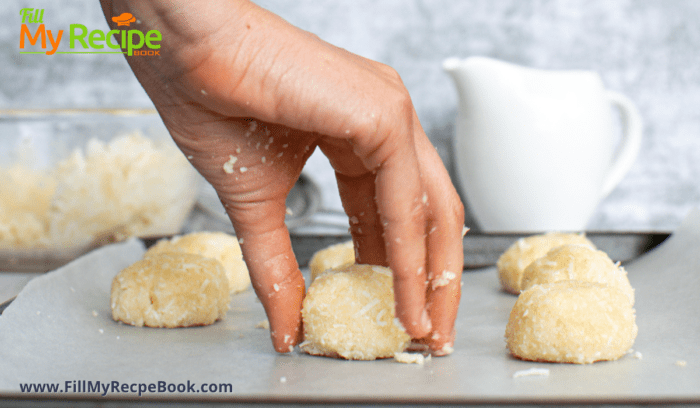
(124, 19)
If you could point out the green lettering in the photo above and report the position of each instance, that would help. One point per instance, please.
(39, 16)
(80, 37)
(26, 12)
(110, 44)
(153, 35)
(133, 45)
(96, 35)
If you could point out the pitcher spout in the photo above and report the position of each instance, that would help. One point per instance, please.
(451, 64)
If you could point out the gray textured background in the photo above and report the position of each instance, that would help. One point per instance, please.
(646, 49)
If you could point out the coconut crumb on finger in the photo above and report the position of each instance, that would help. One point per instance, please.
(228, 165)
(444, 279)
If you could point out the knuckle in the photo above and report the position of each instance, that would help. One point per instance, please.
(390, 73)
(402, 99)
(385, 126)
(456, 212)
(450, 213)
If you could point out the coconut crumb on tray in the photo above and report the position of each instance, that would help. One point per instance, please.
(531, 372)
(411, 358)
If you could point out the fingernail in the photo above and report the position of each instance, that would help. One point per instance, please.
(425, 321)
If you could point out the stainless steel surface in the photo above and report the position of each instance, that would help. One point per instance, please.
(304, 201)
(483, 249)
(480, 250)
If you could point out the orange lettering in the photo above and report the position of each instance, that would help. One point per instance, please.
(54, 44)
(40, 31)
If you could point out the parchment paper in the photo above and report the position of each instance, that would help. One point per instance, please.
(50, 334)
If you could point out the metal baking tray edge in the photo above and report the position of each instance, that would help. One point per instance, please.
(483, 249)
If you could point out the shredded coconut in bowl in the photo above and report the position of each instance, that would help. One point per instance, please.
(129, 186)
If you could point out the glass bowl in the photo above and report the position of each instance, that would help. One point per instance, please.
(75, 179)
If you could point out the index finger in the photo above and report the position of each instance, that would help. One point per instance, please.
(254, 199)
(274, 273)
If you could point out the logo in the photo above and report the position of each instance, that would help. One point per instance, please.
(81, 40)
(125, 19)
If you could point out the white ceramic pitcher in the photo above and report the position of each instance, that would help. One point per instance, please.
(535, 150)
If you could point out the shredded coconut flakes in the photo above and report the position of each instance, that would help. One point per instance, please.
(531, 372)
(409, 358)
(228, 166)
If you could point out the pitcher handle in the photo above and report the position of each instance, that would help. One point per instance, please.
(629, 145)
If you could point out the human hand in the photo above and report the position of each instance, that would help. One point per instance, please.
(247, 98)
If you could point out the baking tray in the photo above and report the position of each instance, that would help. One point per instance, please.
(483, 249)
(480, 249)
(61, 330)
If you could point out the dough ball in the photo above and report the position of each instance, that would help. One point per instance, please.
(335, 256)
(217, 245)
(170, 290)
(571, 322)
(513, 262)
(577, 262)
(349, 312)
